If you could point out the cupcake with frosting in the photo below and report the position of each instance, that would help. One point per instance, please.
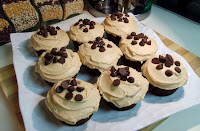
(73, 101)
(118, 24)
(99, 55)
(137, 48)
(48, 37)
(58, 65)
(84, 31)
(165, 74)
(122, 87)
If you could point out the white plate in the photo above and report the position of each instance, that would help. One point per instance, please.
(32, 92)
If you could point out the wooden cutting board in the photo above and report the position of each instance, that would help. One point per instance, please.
(8, 80)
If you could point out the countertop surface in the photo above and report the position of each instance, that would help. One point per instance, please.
(178, 29)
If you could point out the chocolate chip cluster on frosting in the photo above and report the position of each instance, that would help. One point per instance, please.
(135, 36)
(70, 86)
(84, 23)
(45, 29)
(166, 61)
(122, 73)
(117, 16)
(99, 43)
(54, 55)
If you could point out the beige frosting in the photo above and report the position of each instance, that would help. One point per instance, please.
(137, 52)
(55, 72)
(41, 43)
(125, 93)
(95, 59)
(158, 78)
(120, 28)
(71, 111)
(76, 33)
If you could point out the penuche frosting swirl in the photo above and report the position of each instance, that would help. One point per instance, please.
(77, 33)
(120, 28)
(159, 77)
(136, 52)
(55, 72)
(125, 93)
(39, 42)
(68, 109)
(95, 59)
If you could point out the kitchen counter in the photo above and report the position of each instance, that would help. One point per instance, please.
(180, 30)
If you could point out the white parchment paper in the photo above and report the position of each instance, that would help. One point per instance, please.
(33, 90)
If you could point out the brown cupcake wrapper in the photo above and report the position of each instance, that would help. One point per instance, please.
(80, 122)
(160, 92)
(120, 109)
(114, 39)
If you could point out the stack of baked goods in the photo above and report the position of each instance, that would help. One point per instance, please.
(124, 61)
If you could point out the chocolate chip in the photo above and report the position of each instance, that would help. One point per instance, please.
(127, 73)
(39, 33)
(130, 79)
(177, 63)
(69, 96)
(53, 52)
(123, 78)
(126, 68)
(80, 89)
(48, 56)
(162, 59)
(136, 38)
(109, 46)
(80, 20)
(159, 67)
(86, 21)
(94, 46)
(85, 30)
(116, 82)
(63, 49)
(90, 42)
(122, 71)
(145, 37)
(141, 43)
(113, 74)
(113, 18)
(102, 49)
(155, 61)
(112, 69)
(58, 28)
(149, 43)
(127, 15)
(55, 59)
(91, 27)
(61, 60)
(133, 33)
(168, 63)
(71, 88)
(129, 37)
(120, 19)
(53, 32)
(59, 53)
(65, 84)
(73, 82)
(141, 35)
(169, 57)
(126, 20)
(168, 73)
(177, 69)
(59, 89)
(92, 23)
(47, 62)
(134, 42)
(101, 43)
(144, 40)
(81, 25)
(78, 97)
(98, 39)
(45, 35)
(64, 55)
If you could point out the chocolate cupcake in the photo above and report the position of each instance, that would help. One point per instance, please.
(165, 74)
(137, 48)
(118, 24)
(73, 101)
(48, 37)
(58, 65)
(99, 55)
(84, 31)
(122, 87)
